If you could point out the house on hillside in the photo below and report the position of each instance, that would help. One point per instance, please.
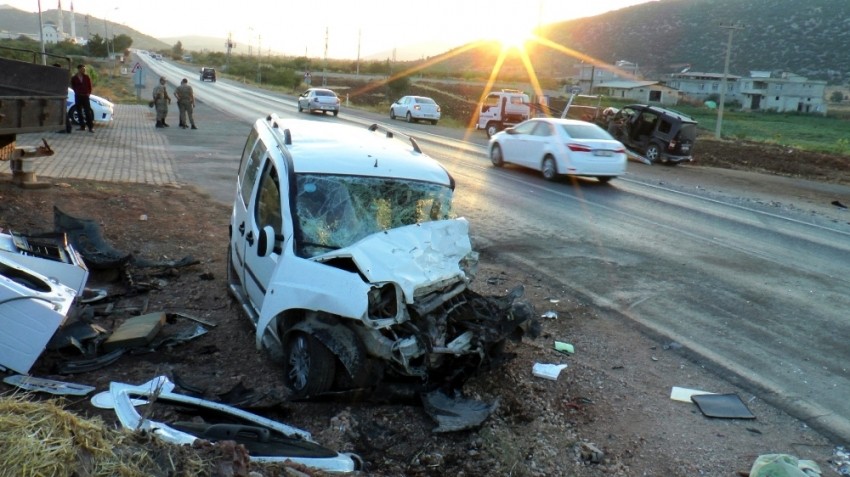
(782, 92)
(644, 92)
(590, 76)
(697, 86)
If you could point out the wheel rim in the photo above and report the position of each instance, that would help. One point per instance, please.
(549, 169)
(491, 130)
(299, 363)
(496, 155)
(652, 153)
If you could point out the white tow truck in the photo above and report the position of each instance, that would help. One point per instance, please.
(503, 109)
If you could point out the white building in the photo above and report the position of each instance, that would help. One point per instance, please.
(697, 86)
(590, 76)
(644, 92)
(782, 92)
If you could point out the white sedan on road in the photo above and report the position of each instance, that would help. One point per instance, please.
(415, 108)
(560, 147)
(102, 107)
(319, 99)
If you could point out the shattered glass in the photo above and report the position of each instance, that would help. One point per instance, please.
(336, 211)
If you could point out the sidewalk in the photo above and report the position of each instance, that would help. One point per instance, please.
(129, 149)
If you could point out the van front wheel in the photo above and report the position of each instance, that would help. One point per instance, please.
(309, 367)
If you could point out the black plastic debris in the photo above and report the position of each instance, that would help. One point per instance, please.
(727, 406)
(85, 235)
(455, 413)
(838, 204)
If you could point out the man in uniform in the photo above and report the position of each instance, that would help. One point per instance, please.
(185, 103)
(161, 101)
(81, 84)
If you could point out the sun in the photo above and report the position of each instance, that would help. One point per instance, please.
(514, 39)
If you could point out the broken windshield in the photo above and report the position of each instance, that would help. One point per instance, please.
(336, 211)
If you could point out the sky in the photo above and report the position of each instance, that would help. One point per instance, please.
(350, 26)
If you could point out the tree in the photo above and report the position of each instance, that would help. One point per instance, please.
(398, 86)
(177, 49)
(836, 96)
(121, 42)
(96, 46)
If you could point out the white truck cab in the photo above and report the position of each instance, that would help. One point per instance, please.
(503, 109)
(345, 255)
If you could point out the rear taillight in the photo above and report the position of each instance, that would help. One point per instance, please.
(672, 144)
(579, 148)
(417, 107)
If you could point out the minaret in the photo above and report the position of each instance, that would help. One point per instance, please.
(73, 23)
(60, 23)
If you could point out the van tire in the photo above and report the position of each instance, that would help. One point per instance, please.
(308, 366)
(492, 128)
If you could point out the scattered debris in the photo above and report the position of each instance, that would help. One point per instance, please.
(265, 439)
(32, 307)
(547, 371)
(727, 406)
(86, 237)
(685, 394)
(590, 454)
(783, 465)
(840, 461)
(49, 254)
(91, 364)
(50, 386)
(838, 204)
(550, 315)
(565, 348)
(135, 332)
(456, 413)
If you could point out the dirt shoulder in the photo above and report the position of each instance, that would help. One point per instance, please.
(614, 394)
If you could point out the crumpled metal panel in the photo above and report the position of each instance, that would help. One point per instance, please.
(413, 256)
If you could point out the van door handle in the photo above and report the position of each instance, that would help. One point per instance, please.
(250, 238)
(242, 228)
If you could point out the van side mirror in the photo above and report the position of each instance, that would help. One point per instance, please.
(265, 242)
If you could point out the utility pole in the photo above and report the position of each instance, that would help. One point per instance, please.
(359, 37)
(731, 29)
(325, 67)
(259, 57)
(229, 45)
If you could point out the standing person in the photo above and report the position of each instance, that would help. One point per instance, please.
(161, 101)
(185, 103)
(81, 84)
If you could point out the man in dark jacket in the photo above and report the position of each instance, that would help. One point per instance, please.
(81, 84)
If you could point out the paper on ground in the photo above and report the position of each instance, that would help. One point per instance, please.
(684, 394)
(547, 371)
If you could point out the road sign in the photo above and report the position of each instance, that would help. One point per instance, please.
(137, 67)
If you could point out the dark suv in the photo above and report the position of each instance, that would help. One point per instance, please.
(661, 135)
(208, 74)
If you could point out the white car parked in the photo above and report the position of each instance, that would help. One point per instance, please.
(416, 108)
(102, 107)
(319, 99)
(560, 147)
(345, 256)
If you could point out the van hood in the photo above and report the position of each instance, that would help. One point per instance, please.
(413, 256)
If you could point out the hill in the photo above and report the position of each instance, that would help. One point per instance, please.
(808, 38)
(15, 22)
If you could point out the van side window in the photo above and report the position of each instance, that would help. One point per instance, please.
(267, 210)
(252, 166)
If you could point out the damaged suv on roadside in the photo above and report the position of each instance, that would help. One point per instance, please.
(661, 135)
(345, 255)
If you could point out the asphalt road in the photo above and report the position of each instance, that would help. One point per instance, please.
(749, 273)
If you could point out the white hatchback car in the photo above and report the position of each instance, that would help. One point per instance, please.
(103, 108)
(319, 99)
(560, 147)
(416, 108)
(345, 256)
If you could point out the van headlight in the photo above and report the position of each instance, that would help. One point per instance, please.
(383, 302)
